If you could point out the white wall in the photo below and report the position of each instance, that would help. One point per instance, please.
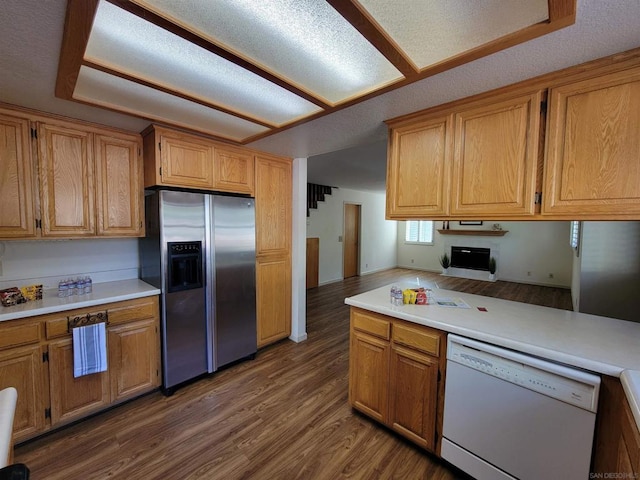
(48, 261)
(528, 253)
(378, 237)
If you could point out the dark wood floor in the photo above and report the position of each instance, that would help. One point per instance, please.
(283, 415)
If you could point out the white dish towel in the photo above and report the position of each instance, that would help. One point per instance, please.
(89, 349)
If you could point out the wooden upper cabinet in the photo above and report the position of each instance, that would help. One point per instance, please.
(66, 181)
(496, 158)
(187, 161)
(178, 159)
(234, 170)
(418, 168)
(273, 205)
(593, 150)
(17, 215)
(119, 191)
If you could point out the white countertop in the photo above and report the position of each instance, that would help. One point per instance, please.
(106, 292)
(599, 344)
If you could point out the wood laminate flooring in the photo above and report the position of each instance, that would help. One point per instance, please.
(283, 415)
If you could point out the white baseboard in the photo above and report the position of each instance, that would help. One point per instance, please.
(299, 338)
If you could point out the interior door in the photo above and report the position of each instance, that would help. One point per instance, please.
(351, 240)
(313, 262)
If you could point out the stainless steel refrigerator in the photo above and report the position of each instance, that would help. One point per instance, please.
(200, 252)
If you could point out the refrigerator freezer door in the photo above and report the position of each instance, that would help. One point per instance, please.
(184, 322)
(234, 295)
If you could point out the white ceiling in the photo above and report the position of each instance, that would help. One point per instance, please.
(31, 33)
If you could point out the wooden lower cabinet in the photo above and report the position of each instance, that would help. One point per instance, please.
(368, 382)
(73, 398)
(133, 358)
(617, 439)
(395, 373)
(23, 368)
(273, 299)
(414, 396)
(36, 357)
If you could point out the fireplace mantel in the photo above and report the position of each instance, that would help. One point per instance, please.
(481, 233)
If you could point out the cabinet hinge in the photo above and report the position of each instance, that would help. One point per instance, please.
(439, 375)
(34, 133)
(543, 106)
(47, 413)
(45, 357)
(38, 223)
(160, 169)
(159, 146)
(538, 198)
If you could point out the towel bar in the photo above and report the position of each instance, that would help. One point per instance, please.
(88, 319)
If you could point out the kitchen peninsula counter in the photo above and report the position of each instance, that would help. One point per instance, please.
(598, 344)
(103, 293)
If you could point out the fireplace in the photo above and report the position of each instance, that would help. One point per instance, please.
(470, 257)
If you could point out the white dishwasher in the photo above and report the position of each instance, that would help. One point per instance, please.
(509, 415)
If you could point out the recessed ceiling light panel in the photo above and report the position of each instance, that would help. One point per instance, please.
(430, 31)
(128, 44)
(305, 42)
(96, 87)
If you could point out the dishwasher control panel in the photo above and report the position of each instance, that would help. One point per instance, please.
(566, 384)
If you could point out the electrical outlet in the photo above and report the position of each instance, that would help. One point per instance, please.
(412, 260)
(339, 238)
(551, 275)
(366, 265)
(528, 274)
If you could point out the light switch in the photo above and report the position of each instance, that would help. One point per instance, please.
(340, 238)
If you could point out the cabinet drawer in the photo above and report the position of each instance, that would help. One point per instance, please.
(58, 326)
(19, 335)
(370, 323)
(131, 310)
(420, 339)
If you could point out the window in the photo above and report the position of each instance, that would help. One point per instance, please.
(419, 232)
(575, 234)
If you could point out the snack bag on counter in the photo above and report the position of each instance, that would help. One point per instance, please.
(409, 296)
(11, 296)
(32, 292)
(421, 297)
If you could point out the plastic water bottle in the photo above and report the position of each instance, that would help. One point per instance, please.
(80, 286)
(62, 288)
(88, 285)
(396, 295)
(71, 283)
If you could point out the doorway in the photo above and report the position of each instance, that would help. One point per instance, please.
(351, 240)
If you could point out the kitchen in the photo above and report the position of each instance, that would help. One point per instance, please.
(299, 331)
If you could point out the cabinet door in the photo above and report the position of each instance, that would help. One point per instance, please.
(273, 206)
(133, 359)
(73, 398)
(23, 369)
(119, 192)
(414, 396)
(593, 147)
(418, 169)
(496, 158)
(369, 375)
(66, 181)
(273, 299)
(187, 161)
(17, 218)
(234, 171)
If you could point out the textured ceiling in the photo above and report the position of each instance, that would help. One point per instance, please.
(31, 33)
